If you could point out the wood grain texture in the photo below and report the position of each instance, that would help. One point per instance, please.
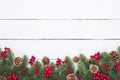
(59, 9)
(59, 28)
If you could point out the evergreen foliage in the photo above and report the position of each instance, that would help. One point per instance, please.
(39, 71)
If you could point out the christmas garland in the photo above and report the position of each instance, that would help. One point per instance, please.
(100, 66)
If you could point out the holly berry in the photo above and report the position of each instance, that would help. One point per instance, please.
(23, 71)
(3, 54)
(100, 76)
(36, 72)
(32, 60)
(48, 71)
(117, 66)
(106, 66)
(96, 56)
(80, 79)
(12, 76)
(60, 62)
(68, 71)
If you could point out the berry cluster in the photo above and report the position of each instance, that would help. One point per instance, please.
(59, 62)
(48, 71)
(35, 69)
(23, 71)
(106, 66)
(3, 54)
(100, 76)
(32, 60)
(36, 72)
(12, 76)
(68, 71)
(96, 56)
(117, 66)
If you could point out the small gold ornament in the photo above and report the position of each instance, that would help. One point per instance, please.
(3, 78)
(93, 68)
(18, 61)
(114, 55)
(71, 77)
(45, 60)
(75, 59)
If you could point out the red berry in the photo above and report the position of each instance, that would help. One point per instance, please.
(68, 71)
(48, 71)
(96, 56)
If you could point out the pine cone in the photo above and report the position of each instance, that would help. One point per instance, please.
(93, 68)
(75, 59)
(114, 55)
(71, 77)
(45, 60)
(3, 78)
(18, 61)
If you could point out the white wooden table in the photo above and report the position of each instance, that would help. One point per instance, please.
(55, 28)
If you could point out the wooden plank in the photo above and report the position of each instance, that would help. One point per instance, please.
(58, 9)
(55, 49)
(59, 29)
(57, 21)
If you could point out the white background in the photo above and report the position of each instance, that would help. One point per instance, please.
(59, 9)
